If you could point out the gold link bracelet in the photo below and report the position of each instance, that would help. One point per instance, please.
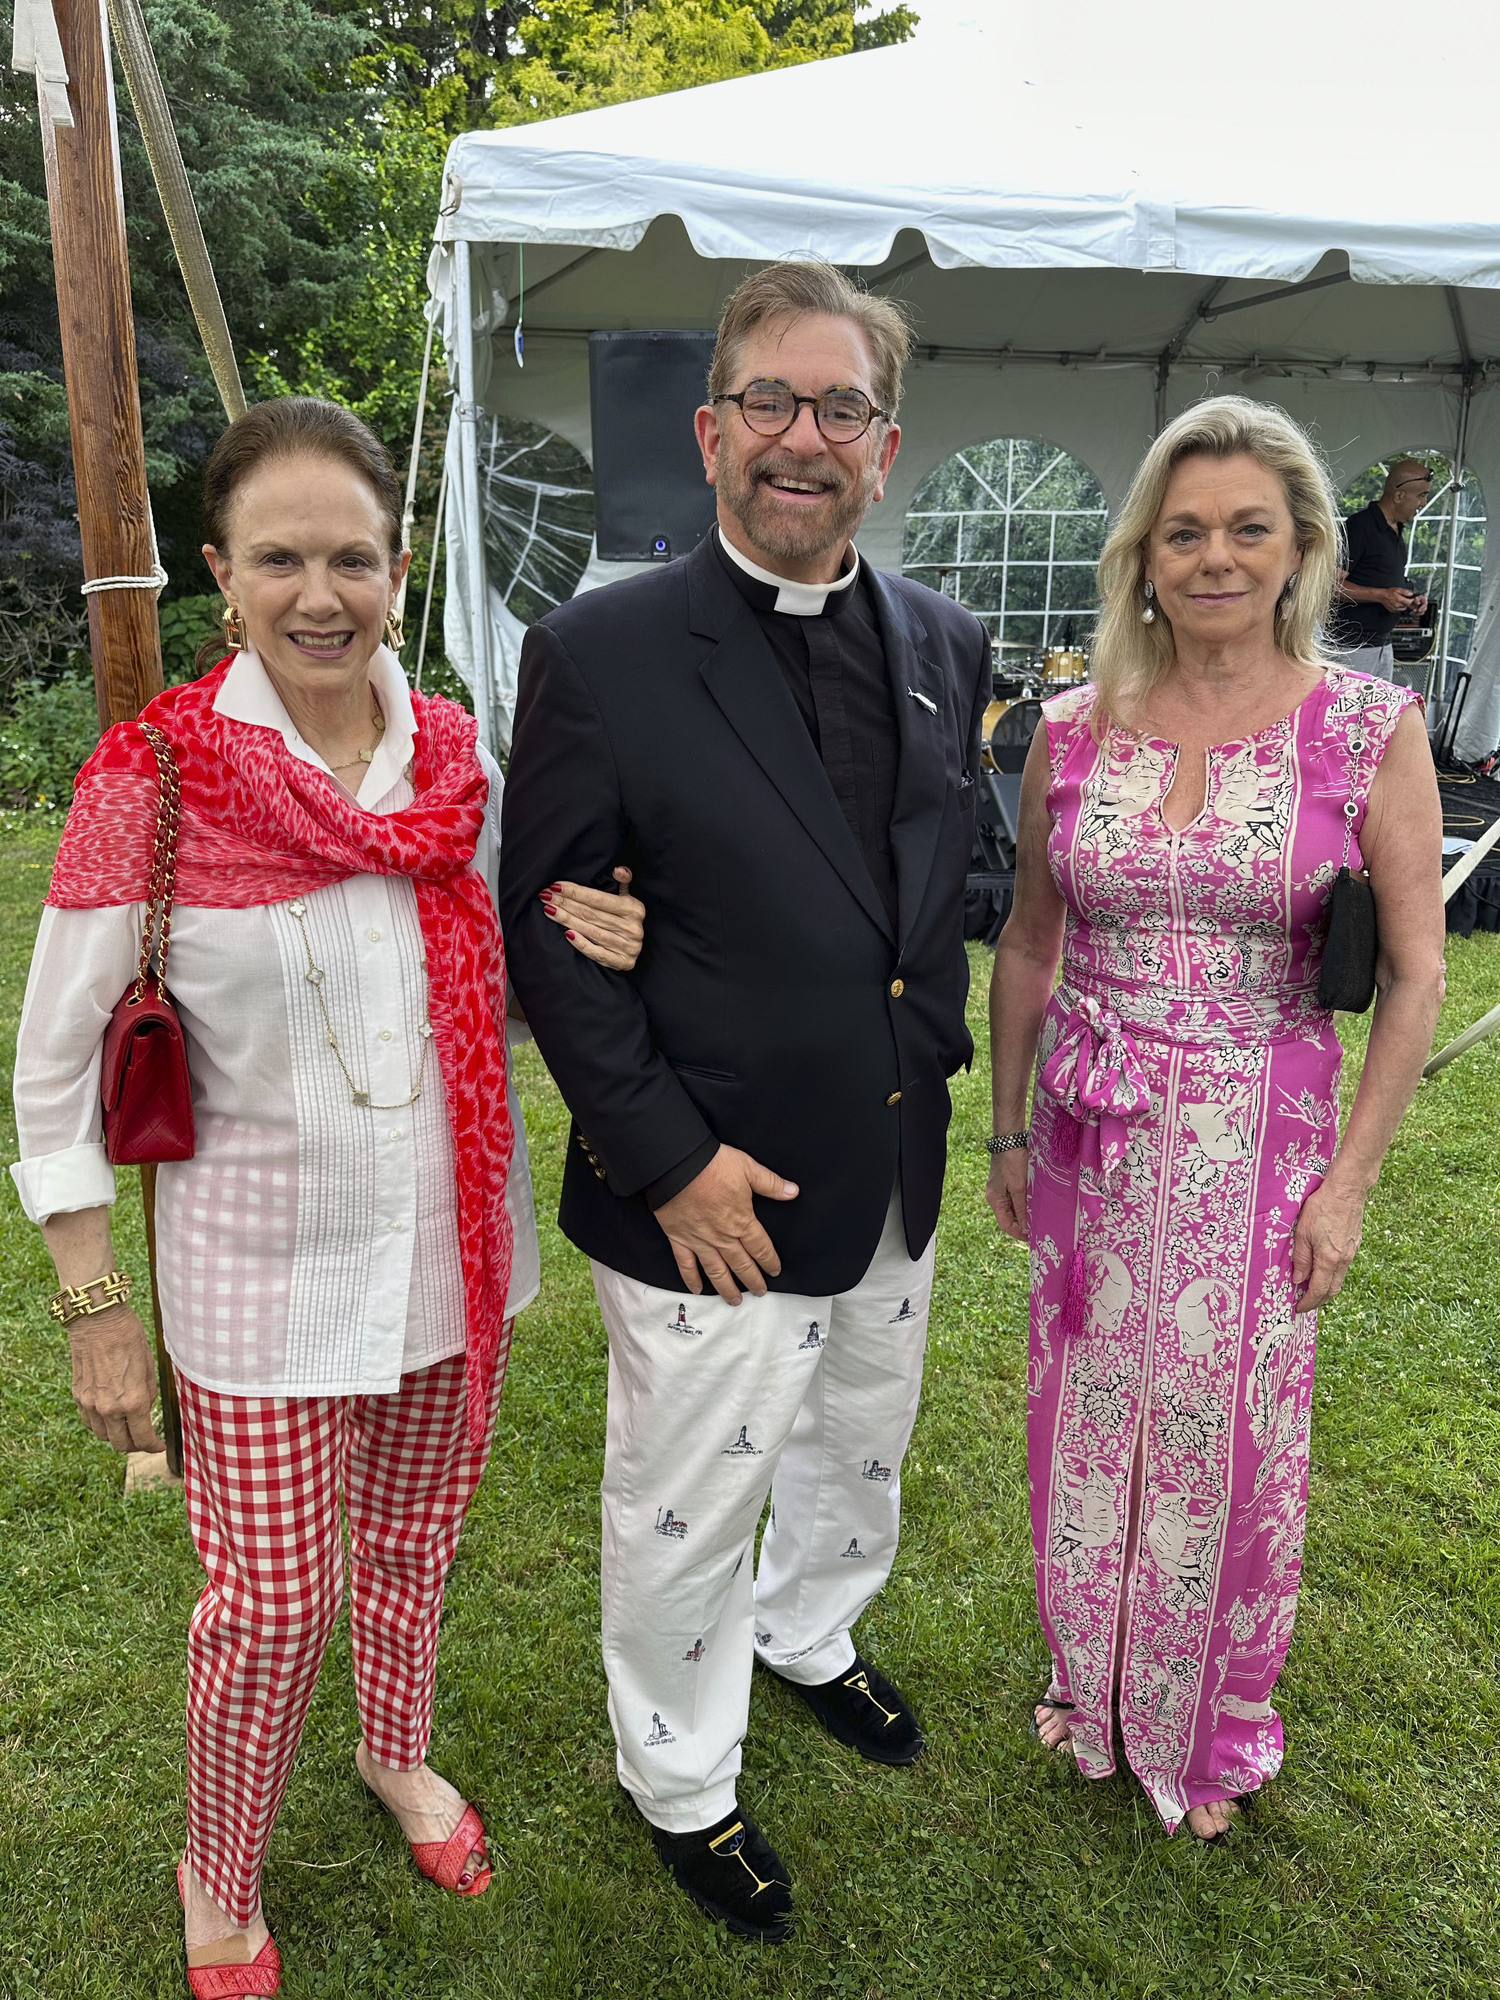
(74, 1301)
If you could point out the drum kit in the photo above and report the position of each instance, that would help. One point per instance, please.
(1021, 687)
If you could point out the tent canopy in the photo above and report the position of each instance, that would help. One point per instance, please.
(1091, 226)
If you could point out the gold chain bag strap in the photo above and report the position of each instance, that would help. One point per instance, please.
(144, 1078)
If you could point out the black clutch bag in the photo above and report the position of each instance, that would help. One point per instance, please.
(1346, 979)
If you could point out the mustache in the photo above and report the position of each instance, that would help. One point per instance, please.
(830, 472)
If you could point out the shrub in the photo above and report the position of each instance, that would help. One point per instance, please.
(49, 732)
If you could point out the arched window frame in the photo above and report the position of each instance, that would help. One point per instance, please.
(957, 576)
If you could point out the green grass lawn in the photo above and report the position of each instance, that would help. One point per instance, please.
(988, 1869)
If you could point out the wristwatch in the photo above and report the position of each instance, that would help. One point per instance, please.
(1006, 1142)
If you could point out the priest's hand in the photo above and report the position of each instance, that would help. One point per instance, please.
(114, 1379)
(714, 1231)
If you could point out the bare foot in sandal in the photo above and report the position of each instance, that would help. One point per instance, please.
(1216, 1818)
(212, 1936)
(426, 1806)
(1052, 1725)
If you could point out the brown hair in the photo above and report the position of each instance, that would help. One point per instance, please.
(287, 427)
(787, 291)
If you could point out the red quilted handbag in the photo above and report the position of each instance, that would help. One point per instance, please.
(144, 1080)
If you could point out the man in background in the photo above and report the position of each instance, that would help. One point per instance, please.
(1373, 590)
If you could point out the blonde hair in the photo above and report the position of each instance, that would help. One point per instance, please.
(790, 290)
(1129, 656)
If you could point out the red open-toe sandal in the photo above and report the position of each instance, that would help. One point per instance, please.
(259, 1980)
(446, 1862)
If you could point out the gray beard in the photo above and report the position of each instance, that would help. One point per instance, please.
(788, 538)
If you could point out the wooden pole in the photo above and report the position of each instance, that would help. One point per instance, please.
(87, 206)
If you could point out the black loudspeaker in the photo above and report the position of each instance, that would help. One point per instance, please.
(651, 500)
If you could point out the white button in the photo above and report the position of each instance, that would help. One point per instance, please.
(385, 1034)
(395, 1228)
(373, 936)
(394, 1137)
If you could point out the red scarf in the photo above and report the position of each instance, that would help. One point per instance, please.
(260, 826)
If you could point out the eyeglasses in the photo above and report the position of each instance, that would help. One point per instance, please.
(769, 408)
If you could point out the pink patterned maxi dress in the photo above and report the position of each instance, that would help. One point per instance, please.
(1186, 1104)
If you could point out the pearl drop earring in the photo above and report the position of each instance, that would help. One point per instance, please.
(1148, 616)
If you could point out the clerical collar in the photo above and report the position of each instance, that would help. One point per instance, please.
(802, 600)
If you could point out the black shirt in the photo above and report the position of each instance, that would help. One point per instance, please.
(1377, 560)
(834, 663)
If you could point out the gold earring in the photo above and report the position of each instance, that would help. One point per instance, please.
(395, 636)
(234, 628)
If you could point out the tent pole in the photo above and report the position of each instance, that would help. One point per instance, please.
(468, 466)
(1440, 662)
(91, 264)
(1485, 1025)
(409, 509)
(432, 563)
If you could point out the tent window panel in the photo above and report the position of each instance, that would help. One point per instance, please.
(536, 496)
(933, 539)
(1028, 524)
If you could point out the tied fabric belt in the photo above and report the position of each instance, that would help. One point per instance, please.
(1095, 1074)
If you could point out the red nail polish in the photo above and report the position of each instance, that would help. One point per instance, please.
(569, 936)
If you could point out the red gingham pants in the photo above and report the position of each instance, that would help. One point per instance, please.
(264, 1476)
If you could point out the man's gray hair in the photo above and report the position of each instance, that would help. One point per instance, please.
(793, 289)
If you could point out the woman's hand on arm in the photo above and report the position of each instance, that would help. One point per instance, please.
(608, 926)
(114, 1369)
(1401, 841)
(1025, 966)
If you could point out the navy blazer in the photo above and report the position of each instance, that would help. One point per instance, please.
(773, 1007)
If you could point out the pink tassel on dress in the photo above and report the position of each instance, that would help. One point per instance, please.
(1072, 1313)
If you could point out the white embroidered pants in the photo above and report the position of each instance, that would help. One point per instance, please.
(711, 1407)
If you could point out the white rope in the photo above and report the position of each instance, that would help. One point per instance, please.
(156, 581)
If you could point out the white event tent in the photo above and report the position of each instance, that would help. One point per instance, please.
(1095, 215)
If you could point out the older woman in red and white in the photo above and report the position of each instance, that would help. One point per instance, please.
(341, 1259)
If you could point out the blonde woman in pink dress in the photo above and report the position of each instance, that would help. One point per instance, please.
(1185, 1193)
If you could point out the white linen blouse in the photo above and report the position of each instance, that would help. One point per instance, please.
(310, 1246)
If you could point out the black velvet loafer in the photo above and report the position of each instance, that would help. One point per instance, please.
(732, 1872)
(864, 1711)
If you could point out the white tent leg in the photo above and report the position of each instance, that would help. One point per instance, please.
(437, 543)
(408, 512)
(1485, 1025)
(468, 497)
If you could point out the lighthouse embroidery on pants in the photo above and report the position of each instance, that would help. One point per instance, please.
(659, 1733)
(812, 1338)
(854, 1553)
(742, 1447)
(680, 1325)
(668, 1524)
(905, 1313)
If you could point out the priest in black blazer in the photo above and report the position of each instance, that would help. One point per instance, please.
(782, 745)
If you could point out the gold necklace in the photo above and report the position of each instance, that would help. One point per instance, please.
(378, 720)
(315, 976)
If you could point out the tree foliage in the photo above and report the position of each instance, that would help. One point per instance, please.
(314, 138)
